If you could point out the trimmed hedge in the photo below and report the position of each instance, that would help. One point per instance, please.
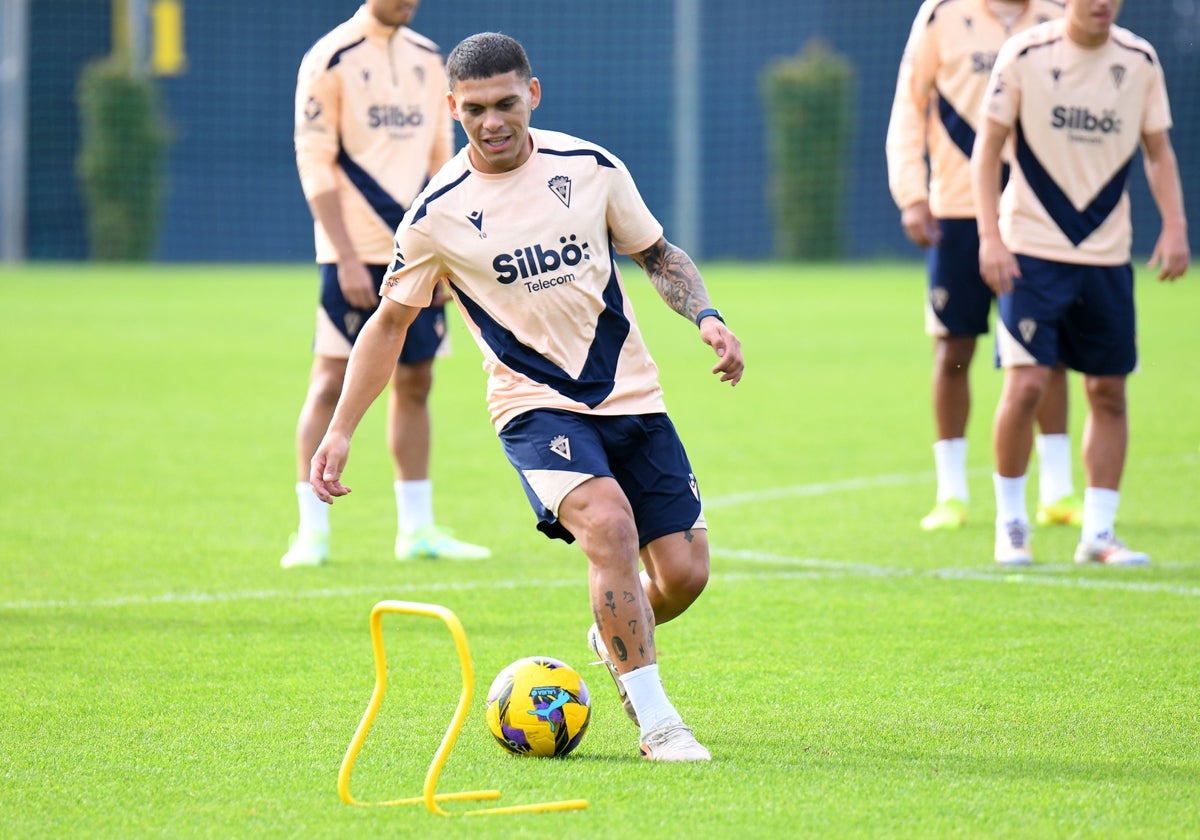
(809, 105)
(120, 162)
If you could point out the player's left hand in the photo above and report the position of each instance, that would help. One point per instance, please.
(727, 346)
(325, 470)
(1171, 255)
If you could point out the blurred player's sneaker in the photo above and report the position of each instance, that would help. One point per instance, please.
(945, 516)
(673, 742)
(1110, 551)
(435, 543)
(1066, 511)
(1012, 544)
(598, 648)
(307, 548)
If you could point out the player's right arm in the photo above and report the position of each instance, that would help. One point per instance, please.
(997, 265)
(316, 137)
(905, 146)
(357, 285)
(1171, 253)
(370, 368)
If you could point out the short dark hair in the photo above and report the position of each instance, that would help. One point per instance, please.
(487, 54)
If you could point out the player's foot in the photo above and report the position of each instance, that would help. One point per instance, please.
(945, 516)
(435, 543)
(307, 548)
(1012, 544)
(1110, 551)
(598, 648)
(1066, 511)
(673, 742)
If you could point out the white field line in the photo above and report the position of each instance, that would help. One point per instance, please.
(820, 489)
(800, 567)
(807, 568)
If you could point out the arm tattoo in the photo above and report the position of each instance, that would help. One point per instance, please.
(675, 277)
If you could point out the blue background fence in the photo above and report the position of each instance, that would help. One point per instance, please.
(608, 75)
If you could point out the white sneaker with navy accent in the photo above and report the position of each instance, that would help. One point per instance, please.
(673, 741)
(1012, 544)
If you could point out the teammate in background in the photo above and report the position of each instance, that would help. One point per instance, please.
(526, 225)
(939, 87)
(1074, 97)
(372, 125)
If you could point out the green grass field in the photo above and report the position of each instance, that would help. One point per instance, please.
(853, 676)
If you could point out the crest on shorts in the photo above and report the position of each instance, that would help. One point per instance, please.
(353, 322)
(561, 446)
(939, 297)
(694, 487)
(1027, 327)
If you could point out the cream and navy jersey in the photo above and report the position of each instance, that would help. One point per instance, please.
(530, 256)
(942, 79)
(373, 123)
(1076, 117)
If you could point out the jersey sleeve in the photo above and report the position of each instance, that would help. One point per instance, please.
(318, 106)
(439, 107)
(1158, 107)
(1002, 101)
(905, 146)
(415, 268)
(632, 225)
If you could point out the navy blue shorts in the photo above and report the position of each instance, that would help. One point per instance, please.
(1080, 315)
(424, 337)
(959, 302)
(556, 451)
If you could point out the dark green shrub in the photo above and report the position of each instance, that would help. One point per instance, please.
(120, 163)
(808, 99)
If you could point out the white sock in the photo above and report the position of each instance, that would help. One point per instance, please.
(648, 697)
(1099, 512)
(414, 505)
(1010, 500)
(314, 514)
(950, 460)
(1054, 468)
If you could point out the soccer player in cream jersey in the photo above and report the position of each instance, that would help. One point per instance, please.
(939, 87)
(525, 225)
(1074, 99)
(371, 126)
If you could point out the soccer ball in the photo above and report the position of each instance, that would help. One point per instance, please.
(538, 706)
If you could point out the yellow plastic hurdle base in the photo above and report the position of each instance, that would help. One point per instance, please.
(429, 794)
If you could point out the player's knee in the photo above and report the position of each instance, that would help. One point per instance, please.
(325, 387)
(606, 533)
(1106, 395)
(683, 584)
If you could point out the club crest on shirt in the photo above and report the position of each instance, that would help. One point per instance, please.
(560, 185)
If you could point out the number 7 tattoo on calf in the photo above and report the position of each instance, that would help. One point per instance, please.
(616, 645)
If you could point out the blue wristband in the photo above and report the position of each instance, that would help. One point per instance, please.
(704, 313)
